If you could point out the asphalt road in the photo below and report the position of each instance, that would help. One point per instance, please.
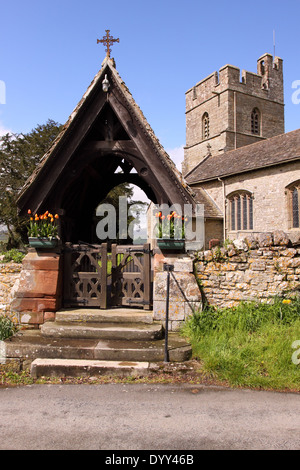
(149, 417)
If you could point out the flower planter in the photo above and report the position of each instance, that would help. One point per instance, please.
(170, 244)
(38, 242)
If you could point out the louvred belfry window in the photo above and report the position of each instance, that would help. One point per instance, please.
(255, 122)
(205, 126)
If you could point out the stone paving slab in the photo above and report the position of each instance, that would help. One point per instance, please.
(30, 344)
(83, 367)
(126, 331)
(112, 315)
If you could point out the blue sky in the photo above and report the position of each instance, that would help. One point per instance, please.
(49, 54)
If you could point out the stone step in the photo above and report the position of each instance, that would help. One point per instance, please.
(113, 315)
(124, 331)
(87, 368)
(31, 345)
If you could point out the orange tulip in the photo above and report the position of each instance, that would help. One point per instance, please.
(29, 211)
(56, 216)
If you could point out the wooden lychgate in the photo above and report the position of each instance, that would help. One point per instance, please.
(95, 278)
(131, 275)
(85, 276)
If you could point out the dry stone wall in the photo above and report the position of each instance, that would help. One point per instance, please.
(254, 268)
(9, 276)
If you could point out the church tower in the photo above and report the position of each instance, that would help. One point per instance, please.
(227, 110)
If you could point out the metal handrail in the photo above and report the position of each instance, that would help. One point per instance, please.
(168, 268)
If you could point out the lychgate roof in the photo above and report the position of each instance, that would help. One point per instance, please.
(87, 138)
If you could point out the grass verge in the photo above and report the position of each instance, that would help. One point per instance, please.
(252, 345)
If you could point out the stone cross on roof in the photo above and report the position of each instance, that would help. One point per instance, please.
(107, 41)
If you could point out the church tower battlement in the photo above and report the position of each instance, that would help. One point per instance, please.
(230, 109)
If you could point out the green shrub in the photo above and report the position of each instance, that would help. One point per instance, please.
(7, 327)
(13, 255)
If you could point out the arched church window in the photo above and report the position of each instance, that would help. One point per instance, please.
(294, 204)
(205, 126)
(295, 207)
(240, 211)
(255, 122)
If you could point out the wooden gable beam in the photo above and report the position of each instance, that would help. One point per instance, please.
(170, 188)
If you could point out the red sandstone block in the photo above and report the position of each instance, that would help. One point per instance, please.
(38, 283)
(34, 305)
(49, 316)
(158, 262)
(32, 318)
(44, 261)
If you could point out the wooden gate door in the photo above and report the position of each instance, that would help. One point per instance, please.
(85, 275)
(131, 276)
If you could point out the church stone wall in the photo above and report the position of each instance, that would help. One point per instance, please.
(213, 231)
(271, 205)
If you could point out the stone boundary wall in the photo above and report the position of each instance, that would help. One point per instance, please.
(254, 268)
(9, 275)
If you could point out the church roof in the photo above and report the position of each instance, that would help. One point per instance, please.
(274, 151)
(210, 208)
(53, 162)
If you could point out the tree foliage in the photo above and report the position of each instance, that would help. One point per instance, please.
(19, 155)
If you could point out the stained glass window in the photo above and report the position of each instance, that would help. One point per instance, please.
(295, 208)
(241, 211)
